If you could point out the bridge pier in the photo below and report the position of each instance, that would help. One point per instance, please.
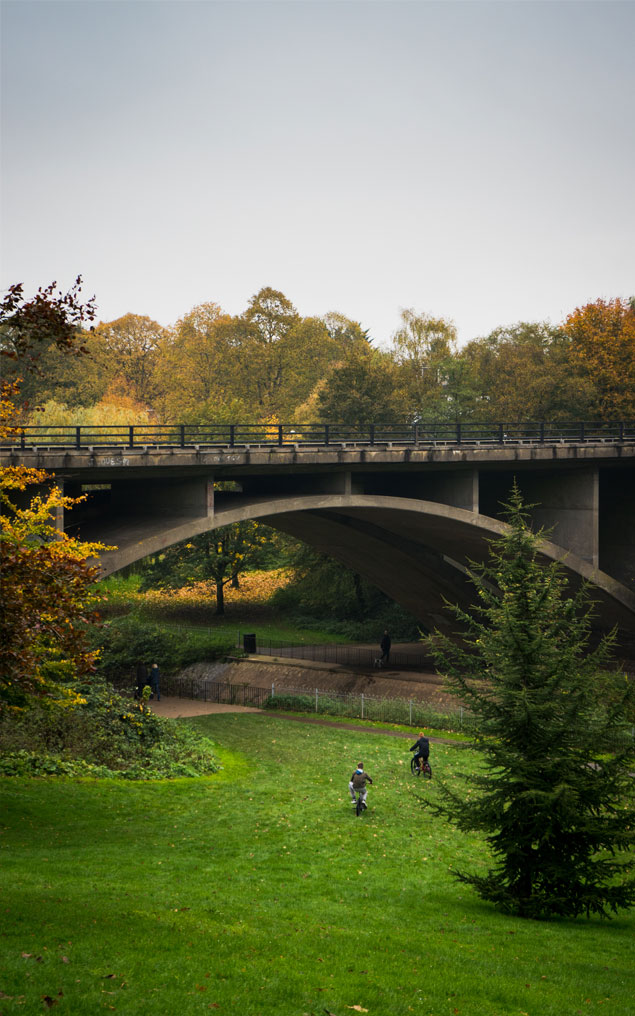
(567, 505)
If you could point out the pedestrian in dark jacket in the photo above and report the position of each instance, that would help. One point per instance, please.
(154, 681)
(385, 645)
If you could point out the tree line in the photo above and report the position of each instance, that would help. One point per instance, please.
(271, 365)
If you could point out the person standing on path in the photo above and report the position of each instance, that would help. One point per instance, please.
(385, 645)
(155, 681)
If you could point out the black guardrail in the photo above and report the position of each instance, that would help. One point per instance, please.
(244, 435)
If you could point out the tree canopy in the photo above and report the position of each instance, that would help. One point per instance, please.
(270, 364)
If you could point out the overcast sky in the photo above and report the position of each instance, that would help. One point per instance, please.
(472, 160)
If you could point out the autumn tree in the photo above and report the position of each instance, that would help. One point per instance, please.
(602, 349)
(523, 372)
(361, 389)
(127, 350)
(217, 556)
(434, 382)
(51, 319)
(47, 596)
(553, 796)
(197, 374)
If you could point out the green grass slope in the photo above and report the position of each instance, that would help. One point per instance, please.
(258, 892)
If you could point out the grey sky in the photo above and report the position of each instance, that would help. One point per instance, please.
(472, 160)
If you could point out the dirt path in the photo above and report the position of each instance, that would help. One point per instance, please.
(173, 708)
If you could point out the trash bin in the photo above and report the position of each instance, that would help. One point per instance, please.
(249, 643)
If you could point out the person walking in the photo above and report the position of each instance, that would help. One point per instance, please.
(155, 681)
(384, 645)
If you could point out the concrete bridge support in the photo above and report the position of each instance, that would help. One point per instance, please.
(567, 505)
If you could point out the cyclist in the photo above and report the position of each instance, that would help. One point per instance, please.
(358, 782)
(422, 748)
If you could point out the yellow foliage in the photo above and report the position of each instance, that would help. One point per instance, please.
(256, 587)
(112, 412)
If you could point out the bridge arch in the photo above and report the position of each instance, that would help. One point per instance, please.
(416, 551)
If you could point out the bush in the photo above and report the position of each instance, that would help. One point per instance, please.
(291, 703)
(124, 641)
(399, 623)
(107, 735)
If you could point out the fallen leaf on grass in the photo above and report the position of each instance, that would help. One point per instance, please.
(357, 1008)
(48, 1001)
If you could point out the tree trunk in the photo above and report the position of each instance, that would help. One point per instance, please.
(220, 598)
(359, 595)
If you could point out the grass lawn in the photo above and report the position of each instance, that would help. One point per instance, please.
(258, 891)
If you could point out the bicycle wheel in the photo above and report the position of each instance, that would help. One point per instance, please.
(414, 766)
(360, 806)
(426, 772)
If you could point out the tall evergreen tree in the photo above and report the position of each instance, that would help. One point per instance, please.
(554, 796)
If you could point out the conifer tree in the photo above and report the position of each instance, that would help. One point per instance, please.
(554, 794)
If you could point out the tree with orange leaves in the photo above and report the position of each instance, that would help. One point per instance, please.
(48, 598)
(602, 349)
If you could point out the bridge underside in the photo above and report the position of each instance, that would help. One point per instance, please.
(408, 519)
(414, 551)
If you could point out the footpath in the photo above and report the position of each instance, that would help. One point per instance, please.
(175, 708)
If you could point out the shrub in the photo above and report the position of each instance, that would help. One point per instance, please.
(112, 735)
(124, 641)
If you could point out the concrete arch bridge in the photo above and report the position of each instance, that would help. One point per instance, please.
(408, 515)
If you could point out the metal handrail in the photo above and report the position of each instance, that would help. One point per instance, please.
(247, 435)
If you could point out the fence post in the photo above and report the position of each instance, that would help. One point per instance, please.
(362, 705)
(410, 712)
(316, 700)
(273, 690)
(461, 717)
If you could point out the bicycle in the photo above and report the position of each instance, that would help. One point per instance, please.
(425, 769)
(360, 804)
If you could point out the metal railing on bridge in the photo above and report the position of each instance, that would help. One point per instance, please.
(248, 435)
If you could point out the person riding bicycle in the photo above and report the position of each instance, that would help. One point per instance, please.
(357, 784)
(422, 748)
